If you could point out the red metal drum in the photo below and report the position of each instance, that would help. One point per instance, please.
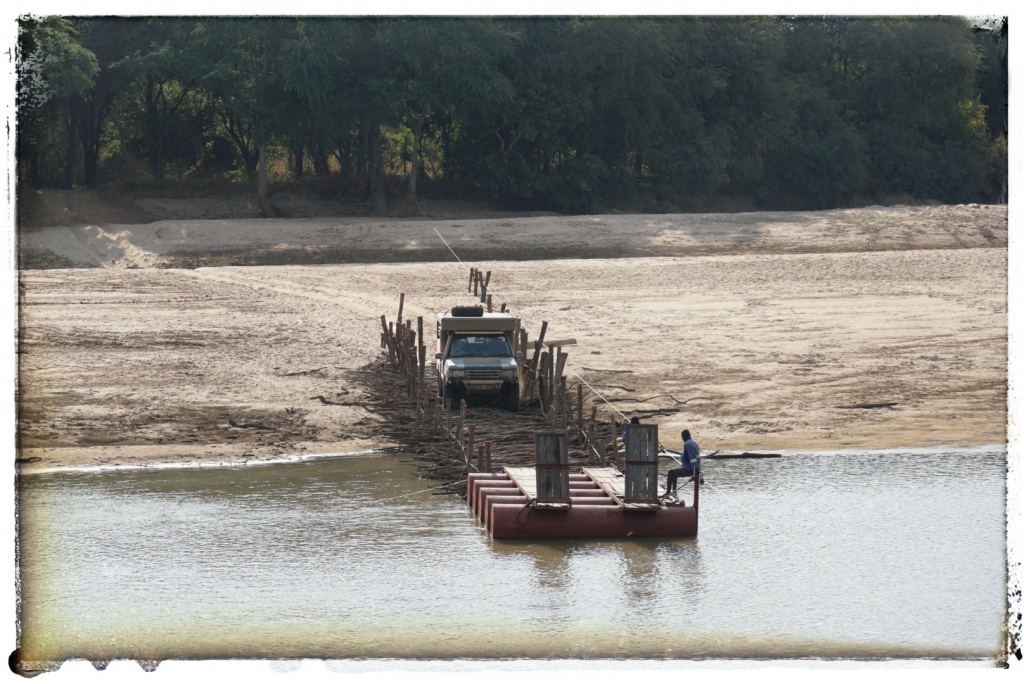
(488, 504)
(473, 494)
(482, 493)
(510, 521)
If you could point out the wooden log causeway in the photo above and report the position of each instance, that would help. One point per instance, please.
(402, 394)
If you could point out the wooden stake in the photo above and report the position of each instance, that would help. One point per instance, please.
(487, 456)
(590, 425)
(462, 420)
(566, 412)
(579, 417)
(615, 444)
(401, 305)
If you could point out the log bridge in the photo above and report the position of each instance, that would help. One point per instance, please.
(451, 442)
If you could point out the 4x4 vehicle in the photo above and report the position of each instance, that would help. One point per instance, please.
(474, 356)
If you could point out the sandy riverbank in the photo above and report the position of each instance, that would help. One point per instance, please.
(757, 331)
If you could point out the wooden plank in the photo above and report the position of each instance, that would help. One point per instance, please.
(641, 464)
(609, 480)
(613, 483)
(525, 479)
(552, 458)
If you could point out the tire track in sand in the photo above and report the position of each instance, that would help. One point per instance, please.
(344, 298)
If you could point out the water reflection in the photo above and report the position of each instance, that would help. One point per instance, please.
(817, 555)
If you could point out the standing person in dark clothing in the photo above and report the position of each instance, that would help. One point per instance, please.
(690, 463)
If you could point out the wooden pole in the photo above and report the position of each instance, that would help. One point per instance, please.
(448, 419)
(401, 305)
(601, 456)
(542, 381)
(539, 343)
(462, 420)
(490, 306)
(472, 277)
(386, 337)
(590, 425)
(615, 444)
(524, 338)
(582, 441)
(480, 459)
(566, 412)
(487, 456)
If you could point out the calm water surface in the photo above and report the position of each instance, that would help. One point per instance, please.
(828, 555)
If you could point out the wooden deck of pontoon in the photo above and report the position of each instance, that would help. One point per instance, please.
(507, 505)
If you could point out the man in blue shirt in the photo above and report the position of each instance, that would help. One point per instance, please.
(690, 463)
(633, 421)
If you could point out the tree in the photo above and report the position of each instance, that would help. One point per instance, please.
(246, 78)
(161, 99)
(440, 64)
(53, 71)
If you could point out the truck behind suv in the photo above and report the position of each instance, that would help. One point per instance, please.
(474, 356)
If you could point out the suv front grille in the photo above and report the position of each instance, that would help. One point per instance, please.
(488, 374)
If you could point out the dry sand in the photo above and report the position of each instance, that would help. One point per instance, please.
(756, 331)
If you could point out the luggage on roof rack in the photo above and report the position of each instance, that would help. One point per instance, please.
(468, 311)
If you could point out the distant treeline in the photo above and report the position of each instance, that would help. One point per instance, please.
(564, 114)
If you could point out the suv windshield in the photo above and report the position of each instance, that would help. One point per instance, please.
(479, 345)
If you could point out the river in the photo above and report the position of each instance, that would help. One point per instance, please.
(898, 554)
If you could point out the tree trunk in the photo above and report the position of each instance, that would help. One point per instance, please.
(411, 202)
(156, 162)
(70, 154)
(298, 155)
(321, 167)
(153, 132)
(378, 194)
(266, 211)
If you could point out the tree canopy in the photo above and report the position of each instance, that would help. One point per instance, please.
(568, 114)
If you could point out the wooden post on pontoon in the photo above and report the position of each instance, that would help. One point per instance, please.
(552, 459)
(641, 461)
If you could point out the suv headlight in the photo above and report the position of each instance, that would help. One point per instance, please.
(508, 374)
(458, 373)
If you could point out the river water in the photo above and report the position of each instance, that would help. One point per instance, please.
(877, 555)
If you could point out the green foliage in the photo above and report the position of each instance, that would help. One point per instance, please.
(568, 114)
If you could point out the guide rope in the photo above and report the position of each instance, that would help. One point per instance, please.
(421, 491)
